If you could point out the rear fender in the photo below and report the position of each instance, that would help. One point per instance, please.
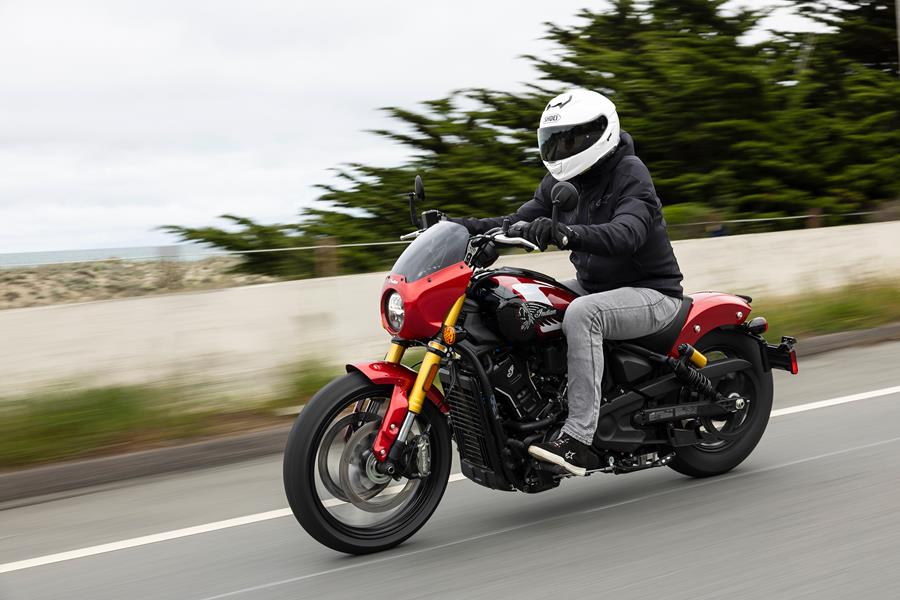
(402, 378)
(710, 311)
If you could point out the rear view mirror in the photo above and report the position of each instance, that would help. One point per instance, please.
(564, 195)
(420, 189)
(412, 196)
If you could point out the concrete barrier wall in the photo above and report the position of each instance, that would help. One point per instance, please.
(241, 339)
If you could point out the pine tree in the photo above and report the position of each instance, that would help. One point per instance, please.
(778, 127)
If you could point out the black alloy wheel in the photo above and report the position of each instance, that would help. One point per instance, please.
(329, 477)
(744, 428)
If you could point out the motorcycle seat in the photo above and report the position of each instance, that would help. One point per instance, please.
(663, 340)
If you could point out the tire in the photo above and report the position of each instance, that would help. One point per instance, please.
(300, 472)
(700, 461)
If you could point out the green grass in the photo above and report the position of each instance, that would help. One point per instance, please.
(73, 423)
(860, 306)
(303, 381)
(67, 424)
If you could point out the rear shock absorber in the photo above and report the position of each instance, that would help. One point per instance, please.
(690, 377)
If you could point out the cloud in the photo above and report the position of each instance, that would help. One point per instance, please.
(121, 116)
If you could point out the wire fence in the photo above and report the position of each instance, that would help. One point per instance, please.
(189, 252)
(767, 219)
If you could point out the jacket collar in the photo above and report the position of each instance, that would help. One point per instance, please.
(609, 164)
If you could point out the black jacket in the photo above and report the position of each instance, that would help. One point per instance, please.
(623, 241)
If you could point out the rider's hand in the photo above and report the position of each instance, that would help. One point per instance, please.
(540, 232)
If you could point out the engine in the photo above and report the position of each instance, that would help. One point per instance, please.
(528, 383)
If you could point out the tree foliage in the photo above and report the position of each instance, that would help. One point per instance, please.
(772, 128)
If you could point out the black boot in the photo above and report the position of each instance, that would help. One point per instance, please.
(565, 451)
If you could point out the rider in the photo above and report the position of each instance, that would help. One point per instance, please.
(627, 276)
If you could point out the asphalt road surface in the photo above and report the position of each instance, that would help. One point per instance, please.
(813, 513)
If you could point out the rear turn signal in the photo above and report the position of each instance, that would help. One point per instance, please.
(758, 325)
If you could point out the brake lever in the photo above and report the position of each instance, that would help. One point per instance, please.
(411, 235)
(515, 241)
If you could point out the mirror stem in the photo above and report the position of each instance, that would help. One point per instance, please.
(412, 210)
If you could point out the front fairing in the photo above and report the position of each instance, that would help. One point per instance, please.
(430, 276)
(440, 246)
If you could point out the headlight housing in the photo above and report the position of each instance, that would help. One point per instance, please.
(394, 312)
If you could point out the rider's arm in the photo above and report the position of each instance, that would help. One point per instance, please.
(629, 226)
(539, 206)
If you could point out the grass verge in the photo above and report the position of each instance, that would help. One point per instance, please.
(68, 424)
(860, 306)
(76, 423)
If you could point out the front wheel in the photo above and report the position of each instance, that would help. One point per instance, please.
(329, 477)
(743, 428)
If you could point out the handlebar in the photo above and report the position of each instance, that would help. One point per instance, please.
(495, 235)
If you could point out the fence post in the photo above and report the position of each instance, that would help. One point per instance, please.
(326, 257)
(815, 218)
(170, 269)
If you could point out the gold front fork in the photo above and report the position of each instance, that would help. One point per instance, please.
(431, 362)
(395, 353)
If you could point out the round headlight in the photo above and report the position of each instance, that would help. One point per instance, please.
(394, 312)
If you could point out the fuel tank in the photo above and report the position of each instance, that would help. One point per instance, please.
(522, 306)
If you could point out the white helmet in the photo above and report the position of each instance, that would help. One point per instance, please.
(579, 128)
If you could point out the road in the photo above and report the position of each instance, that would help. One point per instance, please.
(812, 514)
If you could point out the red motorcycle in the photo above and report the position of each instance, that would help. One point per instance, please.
(368, 458)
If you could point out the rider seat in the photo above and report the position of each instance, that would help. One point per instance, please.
(663, 340)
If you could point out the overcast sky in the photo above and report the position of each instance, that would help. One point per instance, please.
(119, 116)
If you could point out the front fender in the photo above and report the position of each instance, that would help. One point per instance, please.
(402, 378)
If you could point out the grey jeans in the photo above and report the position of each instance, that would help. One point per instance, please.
(621, 314)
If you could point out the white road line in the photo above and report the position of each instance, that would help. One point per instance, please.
(285, 512)
(835, 401)
(164, 536)
(696, 484)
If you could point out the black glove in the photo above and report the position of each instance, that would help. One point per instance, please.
(540, 232)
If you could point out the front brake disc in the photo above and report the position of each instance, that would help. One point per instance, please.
(362, 485)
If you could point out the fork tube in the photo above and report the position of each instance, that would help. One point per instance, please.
(395, 353)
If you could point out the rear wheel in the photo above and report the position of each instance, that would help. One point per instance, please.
(743, 428)
(329, 471)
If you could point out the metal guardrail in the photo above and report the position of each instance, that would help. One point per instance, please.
(178, 255)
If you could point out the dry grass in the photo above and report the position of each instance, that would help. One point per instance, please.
(84, 282)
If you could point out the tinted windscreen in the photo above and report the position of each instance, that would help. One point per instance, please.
(563, 141)
(440, 246)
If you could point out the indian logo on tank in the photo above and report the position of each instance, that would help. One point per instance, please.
(534, 312)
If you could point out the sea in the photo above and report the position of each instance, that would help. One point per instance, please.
(175, 252)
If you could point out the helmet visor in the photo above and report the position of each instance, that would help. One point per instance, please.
(563, 141)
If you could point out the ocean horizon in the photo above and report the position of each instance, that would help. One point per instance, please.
(174, 252)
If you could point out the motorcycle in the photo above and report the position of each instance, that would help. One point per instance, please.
(368, 459)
